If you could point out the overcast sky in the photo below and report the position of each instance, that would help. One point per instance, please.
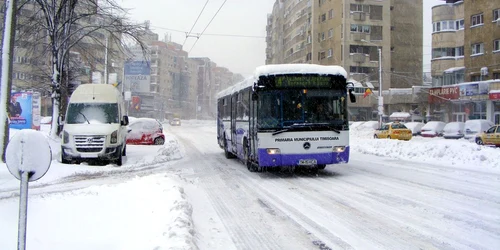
(236, 17)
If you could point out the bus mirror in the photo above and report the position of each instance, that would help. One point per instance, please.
(254, 97)
(352, 96)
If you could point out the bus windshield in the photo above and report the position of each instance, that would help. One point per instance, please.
(284, 108)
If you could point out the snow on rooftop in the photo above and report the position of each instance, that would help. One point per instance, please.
(450, 70)
(403, 115)
(369, 85)
(278, 69)
(355, 83)
(495, 91)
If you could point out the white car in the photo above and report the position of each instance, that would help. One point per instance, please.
(432, 129)
(454, 130)
(415, 127)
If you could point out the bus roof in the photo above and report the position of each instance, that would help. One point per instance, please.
(280, 69)
(283, 69)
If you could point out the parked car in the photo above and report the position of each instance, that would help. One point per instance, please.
(433, 129)
(489, 137)
(415, 127)
(393, 130)
(474, 127)
(145, 131)
(454, 130)
(175, 122)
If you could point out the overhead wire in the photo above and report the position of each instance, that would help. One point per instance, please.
(192, 27)
(213, 34)
(216, 13)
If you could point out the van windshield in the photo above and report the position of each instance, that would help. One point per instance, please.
(92, 113)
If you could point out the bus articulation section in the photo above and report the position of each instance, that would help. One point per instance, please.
(286, 115)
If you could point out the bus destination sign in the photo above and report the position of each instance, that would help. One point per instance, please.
(303, 82)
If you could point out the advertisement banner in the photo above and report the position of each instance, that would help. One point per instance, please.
(443, 94)
(20, 111)
(137, 76)
(494, 95)
(473, 89)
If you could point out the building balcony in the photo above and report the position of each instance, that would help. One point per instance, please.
(359, 57)
(359, 16)
(358, 36)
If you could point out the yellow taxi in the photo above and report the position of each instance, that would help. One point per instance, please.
(393, 130)
(489, 137)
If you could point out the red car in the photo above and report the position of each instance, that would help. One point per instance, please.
(145, 131)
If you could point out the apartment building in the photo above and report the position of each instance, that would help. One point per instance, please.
(466, 61)
(85, 63)
(350, 33)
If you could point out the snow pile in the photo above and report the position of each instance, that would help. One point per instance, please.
(130, 215)
(431, 150)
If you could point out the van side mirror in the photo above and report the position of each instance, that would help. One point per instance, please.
(124, 121)
(352, 97)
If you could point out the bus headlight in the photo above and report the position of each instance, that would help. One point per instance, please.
(339, 149)
(273, 151)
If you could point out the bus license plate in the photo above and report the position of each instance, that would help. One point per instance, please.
(308, 162)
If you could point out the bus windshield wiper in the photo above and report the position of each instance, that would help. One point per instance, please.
(280, 131)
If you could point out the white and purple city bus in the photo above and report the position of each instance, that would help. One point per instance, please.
(286, 115)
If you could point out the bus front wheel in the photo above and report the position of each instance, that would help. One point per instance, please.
(227, 154)
(248, 162)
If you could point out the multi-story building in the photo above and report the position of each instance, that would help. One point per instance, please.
(350, 33)
(32, 65)
(465, 61)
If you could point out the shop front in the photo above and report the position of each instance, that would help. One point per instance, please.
(495, 104)
(461, 102)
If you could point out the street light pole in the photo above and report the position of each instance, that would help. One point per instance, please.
(380, 96)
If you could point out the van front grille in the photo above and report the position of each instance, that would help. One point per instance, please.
(89, 144)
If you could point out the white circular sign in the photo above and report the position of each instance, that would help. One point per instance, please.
(28, 151)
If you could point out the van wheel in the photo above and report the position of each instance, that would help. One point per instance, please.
(119, 161)
(63, 158)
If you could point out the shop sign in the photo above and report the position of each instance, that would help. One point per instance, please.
(495, 95)
(473, 89)
(443, 94)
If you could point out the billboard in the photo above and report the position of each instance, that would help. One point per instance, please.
(137, 76)
(473, 89)
(24, 110)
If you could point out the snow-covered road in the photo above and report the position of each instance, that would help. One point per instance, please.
(370, 203)
(191, 197)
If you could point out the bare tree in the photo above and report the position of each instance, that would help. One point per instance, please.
(83, 26)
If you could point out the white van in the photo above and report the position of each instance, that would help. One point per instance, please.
(474, 127)
(95, 125)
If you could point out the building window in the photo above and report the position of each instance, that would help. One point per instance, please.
(330, 52)
(308, 39)
(360, 8)
(477, 19)
(330, 14)
(376, 33)
(477, 49)
(322, 18)
(330, 33)
(321, 55)
(496, 76)
(459, 24)
(475, 78)
(496, 45)
(376, 12)
(447, 52)
(360, 28)
(496, 15)
(309, 56)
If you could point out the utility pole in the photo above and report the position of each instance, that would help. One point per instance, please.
(380, 88)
